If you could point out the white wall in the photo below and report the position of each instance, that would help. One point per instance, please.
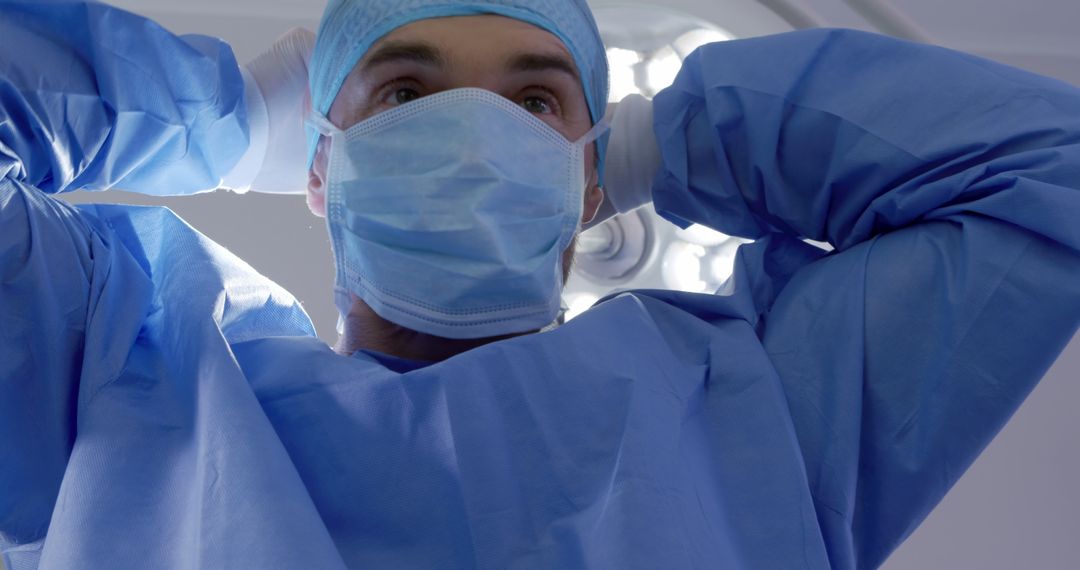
(1017, 506)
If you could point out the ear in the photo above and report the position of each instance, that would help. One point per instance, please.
(594, 196)
(316, 190)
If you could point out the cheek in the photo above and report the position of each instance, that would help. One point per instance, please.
(568, 259)
(591, 155)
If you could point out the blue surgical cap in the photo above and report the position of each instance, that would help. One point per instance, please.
(350, 27)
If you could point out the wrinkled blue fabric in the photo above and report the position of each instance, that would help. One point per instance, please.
(350, 27)
(165, 406)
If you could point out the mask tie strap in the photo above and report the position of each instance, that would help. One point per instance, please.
(598, 130)
(322, 125)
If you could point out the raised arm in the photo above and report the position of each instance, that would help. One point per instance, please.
(950, 188)
(837, 136)
(92, 97)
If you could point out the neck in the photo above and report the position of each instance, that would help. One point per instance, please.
(366, 330)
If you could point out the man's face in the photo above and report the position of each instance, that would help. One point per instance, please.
(519, 61)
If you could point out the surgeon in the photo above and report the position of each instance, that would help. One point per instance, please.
(165, 406)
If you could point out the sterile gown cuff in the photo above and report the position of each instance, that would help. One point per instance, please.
(245, 171)
(633, 156)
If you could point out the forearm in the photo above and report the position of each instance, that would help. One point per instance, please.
(839, 136)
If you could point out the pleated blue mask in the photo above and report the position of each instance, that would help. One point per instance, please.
(449, 215)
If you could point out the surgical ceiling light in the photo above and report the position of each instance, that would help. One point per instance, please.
(578, 303)
(622, 63)
(646, 46)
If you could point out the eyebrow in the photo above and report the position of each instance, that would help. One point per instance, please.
(539, 62)
(405, 52)
(428, 55)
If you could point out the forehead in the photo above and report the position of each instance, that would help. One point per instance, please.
(476, 40)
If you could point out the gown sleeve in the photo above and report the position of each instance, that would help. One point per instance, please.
(949, 188)
(90, 98)
(93, 97)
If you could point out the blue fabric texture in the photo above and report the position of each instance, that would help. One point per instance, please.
(350, 27)
(165, 406)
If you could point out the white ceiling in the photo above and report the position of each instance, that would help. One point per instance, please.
(1040, 35)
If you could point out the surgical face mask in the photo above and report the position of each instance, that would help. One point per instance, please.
(449, 215)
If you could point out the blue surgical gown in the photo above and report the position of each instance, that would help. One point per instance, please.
(162, 405)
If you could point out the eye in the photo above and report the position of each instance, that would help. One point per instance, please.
(537, 105)
(404, 95)
(398, 92)
(540, 100)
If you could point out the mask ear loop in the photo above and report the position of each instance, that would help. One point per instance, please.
(324, 127)
(596, 132)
